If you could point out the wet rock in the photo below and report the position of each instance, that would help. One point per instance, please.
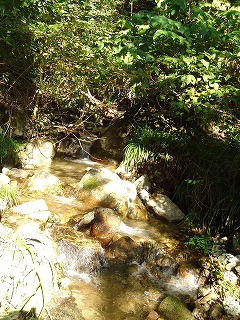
(153, 315)
(106, 189)
(44, 182)
(123, 250)
(163, 207)
(80, 255)
(80, 221)
(105, 225)
(173, 309)
(38, 153)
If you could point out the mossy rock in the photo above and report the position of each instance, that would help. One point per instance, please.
(171, 308)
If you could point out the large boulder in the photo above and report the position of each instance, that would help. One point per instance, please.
(163, 207)
(101, 187)
(123, 250)
(28, 273)
(38, 153)
(112, 142)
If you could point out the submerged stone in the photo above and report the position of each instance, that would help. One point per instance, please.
(173, 309)
(123, 250)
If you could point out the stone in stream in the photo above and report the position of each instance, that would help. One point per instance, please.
(37, 153)
(36, 210)
(104, 188)
(171, 308)
(105, 225)
(44, 182)
(123, 250)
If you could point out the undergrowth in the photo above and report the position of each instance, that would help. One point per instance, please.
(205, 184)
(8, 150)
(8, 196)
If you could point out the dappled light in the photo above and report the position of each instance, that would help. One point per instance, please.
(119, 148)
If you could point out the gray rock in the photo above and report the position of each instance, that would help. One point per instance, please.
(101, 187)
(37, 153)
(231, 307)
(163, 207)
(44, 182)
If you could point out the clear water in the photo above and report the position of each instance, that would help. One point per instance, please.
(118, 292)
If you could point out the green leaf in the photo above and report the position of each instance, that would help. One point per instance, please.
(189, 79)
(100, 44)
(205, 63)
(157, 21)
(187, 60)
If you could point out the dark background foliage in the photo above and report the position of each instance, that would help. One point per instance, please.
(170, 67)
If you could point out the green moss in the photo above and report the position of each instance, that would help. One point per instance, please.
(90, 183)
(8, 150)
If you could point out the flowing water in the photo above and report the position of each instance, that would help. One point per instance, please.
(120, 291)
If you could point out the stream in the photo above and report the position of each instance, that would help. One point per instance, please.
(120, 291)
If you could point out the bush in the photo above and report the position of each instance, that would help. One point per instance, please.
(203, 243)
(8, 150)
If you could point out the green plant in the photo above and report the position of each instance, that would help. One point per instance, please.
(203, 243)
(8, 196)
(90, 183)
(8, 150)
(147, 147)
(208, 185)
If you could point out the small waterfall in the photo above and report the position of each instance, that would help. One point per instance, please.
(129, 231)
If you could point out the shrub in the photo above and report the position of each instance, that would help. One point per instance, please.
(203, 243)
(8, 150)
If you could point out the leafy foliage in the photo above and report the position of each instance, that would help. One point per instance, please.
(173, 64)
(203, 243)
(148, 147)
(8, 196)
(8, 150)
